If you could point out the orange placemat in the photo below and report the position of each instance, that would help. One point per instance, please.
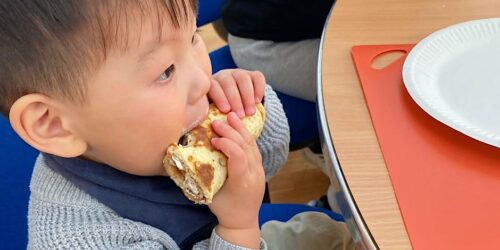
(447, 185)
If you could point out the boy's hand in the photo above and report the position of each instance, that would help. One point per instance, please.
(237, 204)
(237, 90)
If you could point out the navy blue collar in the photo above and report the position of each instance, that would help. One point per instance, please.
(155, 201)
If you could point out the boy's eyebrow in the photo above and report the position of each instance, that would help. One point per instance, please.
(150, 47)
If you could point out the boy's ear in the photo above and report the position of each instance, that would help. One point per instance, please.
(36, 119)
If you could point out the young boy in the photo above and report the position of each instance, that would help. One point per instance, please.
(101, 88)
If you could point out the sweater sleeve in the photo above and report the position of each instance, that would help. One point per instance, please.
(217, 243)
(275, 137)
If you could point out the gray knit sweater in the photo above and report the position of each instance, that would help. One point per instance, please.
(61, 216)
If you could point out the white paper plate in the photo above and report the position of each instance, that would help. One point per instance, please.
(454, 75)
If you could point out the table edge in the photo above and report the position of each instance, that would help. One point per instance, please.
(359, 230)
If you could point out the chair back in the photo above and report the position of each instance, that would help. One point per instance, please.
(209, 11)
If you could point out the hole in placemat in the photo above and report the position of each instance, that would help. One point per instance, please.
(385, 59)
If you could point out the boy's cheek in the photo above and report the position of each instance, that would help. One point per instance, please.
(205, 58)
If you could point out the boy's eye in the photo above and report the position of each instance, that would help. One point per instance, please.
(166, 75)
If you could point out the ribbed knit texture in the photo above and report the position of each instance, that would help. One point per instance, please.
(275, 138)
(61, 216)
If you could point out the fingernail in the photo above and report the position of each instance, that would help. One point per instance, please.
(250, 110)
(257, 99)
(234, 115)
(225, 107)
(241, 114)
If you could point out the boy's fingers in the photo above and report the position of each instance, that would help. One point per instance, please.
(225, 130)
(250, 145)
(259, 84)
(238, 125)
(235, 154)
(218, 96)
(245, 86)
(233, 95)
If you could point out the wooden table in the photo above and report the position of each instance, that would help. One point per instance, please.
(359, 173)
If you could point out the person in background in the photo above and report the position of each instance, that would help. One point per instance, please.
(280, 38)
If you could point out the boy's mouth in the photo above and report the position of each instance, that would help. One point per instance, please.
(195, 123)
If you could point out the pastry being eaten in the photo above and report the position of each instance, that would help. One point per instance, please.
(195, 166)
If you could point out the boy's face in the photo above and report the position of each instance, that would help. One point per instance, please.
(145, 98)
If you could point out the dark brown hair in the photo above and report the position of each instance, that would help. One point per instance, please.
(53, 46)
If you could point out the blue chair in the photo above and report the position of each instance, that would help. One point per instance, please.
(17, 159)
(301, 114)
(284, 212)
